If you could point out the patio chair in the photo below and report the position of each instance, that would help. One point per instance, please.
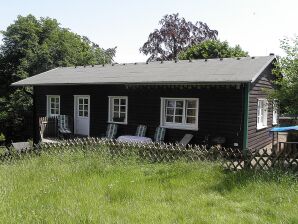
(159, 134)
(141, 130)
(63, 126)
(20, 146)
(186, 139)
(111, 131)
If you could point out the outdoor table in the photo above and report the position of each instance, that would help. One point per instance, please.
(132, 138)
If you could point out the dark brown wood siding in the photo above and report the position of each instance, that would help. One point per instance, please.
(259, 138)
(220, 108)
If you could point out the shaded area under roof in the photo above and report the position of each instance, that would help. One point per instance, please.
(227, 70)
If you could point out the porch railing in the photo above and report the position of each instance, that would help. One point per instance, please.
(288, 147)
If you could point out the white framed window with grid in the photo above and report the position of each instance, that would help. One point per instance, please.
(118, 107)
(53, 105)
(262, 113)
(179, 113)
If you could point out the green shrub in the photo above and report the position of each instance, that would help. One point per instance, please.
(2, 137)
(292, 137)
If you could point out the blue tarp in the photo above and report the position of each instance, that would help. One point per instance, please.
(285, 129)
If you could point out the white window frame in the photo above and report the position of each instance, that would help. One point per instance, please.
(173, 125)
(262, 116)
(111, 109)
(49, 114)
(274, 112)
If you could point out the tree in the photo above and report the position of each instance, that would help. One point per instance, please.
(286, 73)
(212, 49)
(175, 35)
(31, 46)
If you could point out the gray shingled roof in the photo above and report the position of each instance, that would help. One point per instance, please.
(227, 70)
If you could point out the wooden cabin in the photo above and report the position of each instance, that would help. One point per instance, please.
(215, 98)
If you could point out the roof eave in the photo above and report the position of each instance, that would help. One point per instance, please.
(262, 69)
(16, 84)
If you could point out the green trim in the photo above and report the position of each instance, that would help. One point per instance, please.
(245, 115)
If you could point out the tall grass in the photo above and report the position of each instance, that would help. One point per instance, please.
(82, 187)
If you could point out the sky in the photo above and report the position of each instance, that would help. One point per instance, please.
(256, 25)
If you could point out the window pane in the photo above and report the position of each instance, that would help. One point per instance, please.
(57, 100)
(85, 101)
(52, 111)
(170, 111)
(179, 103)
(178, 119)
(116, 101)
(122, 115)
(86, 107)
(191, 104)
(191, 120)
(81, 113)
(123, 102)
(80, 101)
(116, 115)
(80, 107)
(116, 108)
(52, 105)
(179, 112)
(191, 112)
(86, 113)
(169, 119)
(170, 103)
(122, 108)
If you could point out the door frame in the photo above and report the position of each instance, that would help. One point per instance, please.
(75, 97)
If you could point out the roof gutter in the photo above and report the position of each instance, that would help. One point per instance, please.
(16, 84)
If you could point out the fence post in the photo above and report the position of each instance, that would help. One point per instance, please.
(246, 158)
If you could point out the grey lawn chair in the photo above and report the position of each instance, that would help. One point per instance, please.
(111, 131)
(141, 130)
(21, 146)
(186, 139)
(63, 125)
(159, 134)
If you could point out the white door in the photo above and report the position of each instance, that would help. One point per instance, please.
(81, 115)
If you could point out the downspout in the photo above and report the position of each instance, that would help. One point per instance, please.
(245, 116)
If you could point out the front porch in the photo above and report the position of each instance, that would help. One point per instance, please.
(49, 133)
(206, 112)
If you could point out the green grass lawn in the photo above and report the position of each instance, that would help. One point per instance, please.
(84, 188)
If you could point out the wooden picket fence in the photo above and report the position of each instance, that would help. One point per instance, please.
(230, 158)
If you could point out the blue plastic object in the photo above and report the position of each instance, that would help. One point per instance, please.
(284, 129)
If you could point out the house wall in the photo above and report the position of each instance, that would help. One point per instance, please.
(259, 138)
(220, 108)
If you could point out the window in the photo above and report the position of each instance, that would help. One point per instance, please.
(53, 105)
(83, 106)
(274, 111)
(118, 109)
(179, 113)
(262, 111)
